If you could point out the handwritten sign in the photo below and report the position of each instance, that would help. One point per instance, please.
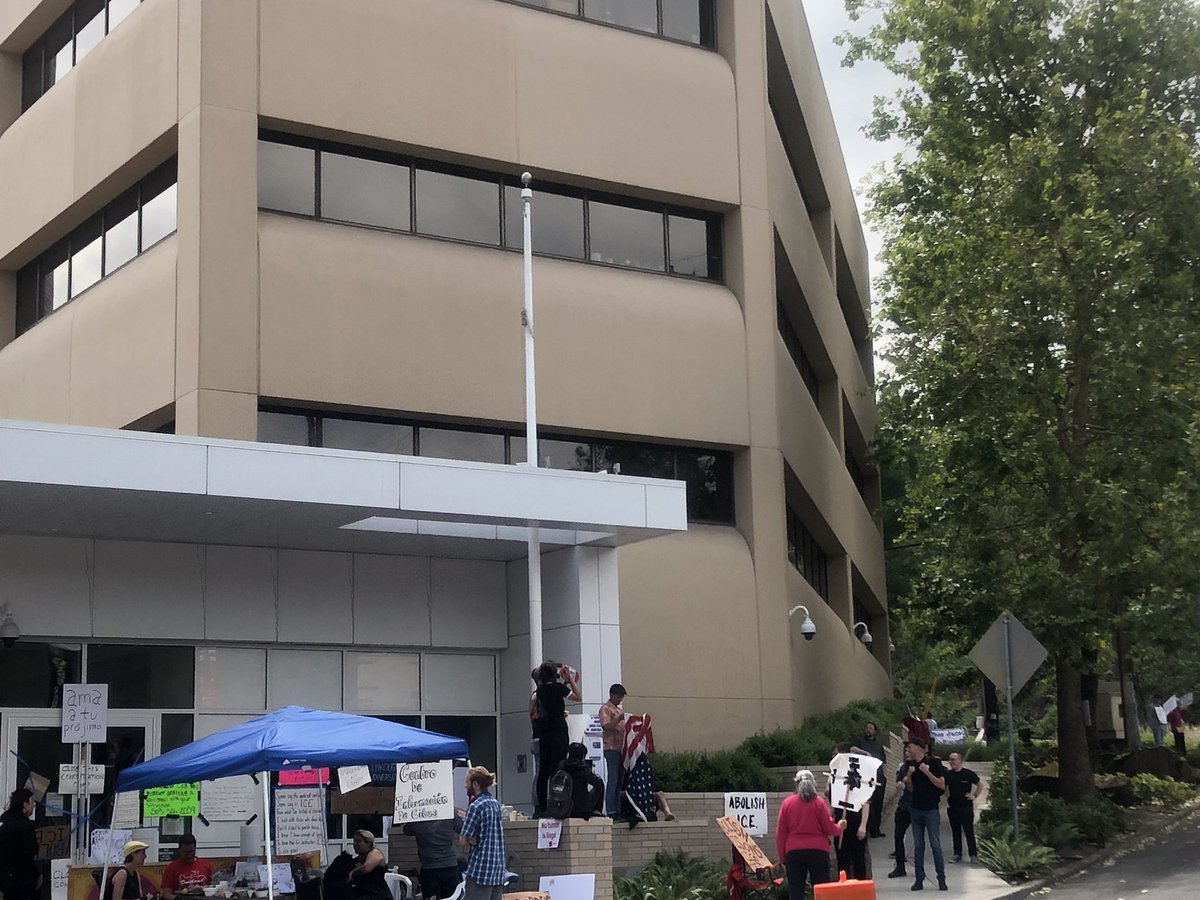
(853, 777)
(549, 833)
(299, 820)
(750, 810)
(59, 869)
(126, 810)
(351, 778)
(110, 841)
(424, 791)
(292, 777)
(569, 887)
(85, 713)
(744, 844)
(949, 735)
(228, 799)
(280, 874)
(69, 778)
(53, 841)
(172, 800)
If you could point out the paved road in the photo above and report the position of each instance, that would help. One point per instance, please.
(1167, 868)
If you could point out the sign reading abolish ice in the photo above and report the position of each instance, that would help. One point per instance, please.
(424, 791)
(750, 810)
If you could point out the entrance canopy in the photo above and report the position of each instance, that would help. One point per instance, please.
(292, 738)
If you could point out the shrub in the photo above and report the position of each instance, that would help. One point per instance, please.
(674, 875)
(1014, 858)
(1099, 820)
(1048, 821)
(810, 743)
(1160, 791)
(975, 752)
(722, 770)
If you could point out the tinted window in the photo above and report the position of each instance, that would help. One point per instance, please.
(639, 14)
(458, 207)
(283, 428)
(626, 237)
(55, 267)
(89, 27)
(86, 256)
(689, 246)
(364, 191)
(27, 297)
(688, 20)
(635, 459)
(475, 446)
(118, 10)
(571, 455)
(31, 76)
(286, 178)
(372, 437)
(557, 222)
(158, 214)
(121, 238)
(32, 674)
(567, 6)
(144, 676)
(709, 478)
(478, 731)
(58, 52)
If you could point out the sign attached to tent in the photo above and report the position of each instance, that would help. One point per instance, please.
(299, 820)
(172, 800)
(228, 799)
(424, 791)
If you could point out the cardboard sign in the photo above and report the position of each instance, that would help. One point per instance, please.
(853, 777)
(351, 778)
(172, 800)
(39, 784)
(110, 841)
(549, 833)
(299, 820)
(750, 810)
(85, 713)
(54, 841)
(367, 801)
(59, 871)
(744, 844)
(69, 778)
(228, 799)
(295, 777)
(424, 791)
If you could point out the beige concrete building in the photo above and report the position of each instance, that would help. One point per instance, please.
(296, 221)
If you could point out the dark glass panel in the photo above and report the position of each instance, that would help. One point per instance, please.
(635, 459)
(557, 223)
(475, 446)
(689, 20)
(119, 10)
(27, 298)
(709, 478)
(365, 191)
(689, 246)
(59, 50)
(87, 258)
(626, 237)
(287, 178)
(31, 76)
(283, 428)
(121, 231)
(32, 674)
(144, 676)
(54, 273)
(177, 729)
(478, 731)
(371, 437)
(575, 456)
(89, 27)
(158, 205)
(455, 206)
(639, 14)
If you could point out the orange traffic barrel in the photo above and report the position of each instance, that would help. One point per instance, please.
(845, 889)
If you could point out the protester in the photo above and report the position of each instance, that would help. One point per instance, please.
(802, 835)
(587, 788)
(926, 781)
(901, 821)
(19, 873)
(370, 868)
(871, 744)
(126, 880)
(551, 697)
(962, 787)
(612, 727)
(187, 870)
(1176, 720)
(484, 834)
(1157, 726)
(435, 851)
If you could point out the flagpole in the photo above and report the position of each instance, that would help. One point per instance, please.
(534, 548)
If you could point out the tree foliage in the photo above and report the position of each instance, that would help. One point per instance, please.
(1042, 328)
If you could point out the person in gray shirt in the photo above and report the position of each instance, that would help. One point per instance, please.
(436, 852)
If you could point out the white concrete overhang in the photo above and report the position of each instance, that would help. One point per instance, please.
(121, 485)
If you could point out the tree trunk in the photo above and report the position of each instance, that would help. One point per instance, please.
(1129, 704)
(1074, 762)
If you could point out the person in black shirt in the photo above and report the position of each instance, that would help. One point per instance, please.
(901, 822)
(871, 744)
(587, 788)
(19, 874)
(551, 704)
(962, 787)
(926, 781)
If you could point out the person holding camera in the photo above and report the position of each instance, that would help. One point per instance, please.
(551, 699)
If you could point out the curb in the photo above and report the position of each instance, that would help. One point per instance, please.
(1114, 850)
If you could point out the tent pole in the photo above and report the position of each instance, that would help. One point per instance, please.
(266, 777)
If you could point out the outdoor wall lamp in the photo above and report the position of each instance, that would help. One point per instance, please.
(807, 628)
(865, 637)
(9, 630)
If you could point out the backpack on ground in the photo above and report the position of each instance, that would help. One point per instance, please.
(558, 795)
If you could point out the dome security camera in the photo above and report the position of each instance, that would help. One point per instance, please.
(809, 629)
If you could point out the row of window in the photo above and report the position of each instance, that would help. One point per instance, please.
(807, 556)
(708, 473)
(131, 224)
(795, 349)
(67, 42)
(690, 21)
(361, 187)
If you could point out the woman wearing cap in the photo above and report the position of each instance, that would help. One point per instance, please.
(126, 882)
(19, 874)
(802, 835)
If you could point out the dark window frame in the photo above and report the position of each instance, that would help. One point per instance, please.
(795, 348)
(708, 22)
(806, 555)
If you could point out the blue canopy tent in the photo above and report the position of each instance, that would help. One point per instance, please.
(294, 737)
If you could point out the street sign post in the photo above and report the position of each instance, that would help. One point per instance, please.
(1009, 654)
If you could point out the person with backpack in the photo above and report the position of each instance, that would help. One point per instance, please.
(551, 704)
(575, 790)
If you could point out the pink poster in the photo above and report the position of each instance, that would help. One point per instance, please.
(293, 777)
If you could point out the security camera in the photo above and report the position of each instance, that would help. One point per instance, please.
(808, 629)
(10, 632)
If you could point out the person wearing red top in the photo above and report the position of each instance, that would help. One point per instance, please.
(187, 871)
(1175, 720)
(802, 835)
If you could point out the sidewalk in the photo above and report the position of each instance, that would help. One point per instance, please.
(964, 879)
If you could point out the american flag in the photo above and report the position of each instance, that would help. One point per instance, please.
(639, 778)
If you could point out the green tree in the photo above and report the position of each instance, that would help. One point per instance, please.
(1041, 320)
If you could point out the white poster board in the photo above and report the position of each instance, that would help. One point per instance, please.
(351, 778)
(1171, 703)
(111, 841)
(228, 799)
(281, 874)
(854, 778)
(569, 887)
(69, 780)
(424, 791)
(949, 735)
(84, 713)
(750, 810)
(127, 810)
(58, 878)
(299, 820)
(549, 833)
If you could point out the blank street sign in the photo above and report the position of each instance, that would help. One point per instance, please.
(1027, 653)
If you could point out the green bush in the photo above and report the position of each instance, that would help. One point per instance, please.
(811, 742)
(1193, 757)
(674, 875)
(1099, 820)
(1048, 821)
(692, 771)
(1160, 791)
(1014, 858)
(974, 752)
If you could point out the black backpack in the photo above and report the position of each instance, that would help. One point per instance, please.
(558, 795)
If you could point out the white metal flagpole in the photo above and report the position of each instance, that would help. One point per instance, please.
(266, 782)
(534, 548)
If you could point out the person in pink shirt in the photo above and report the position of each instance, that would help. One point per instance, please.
(802, 835)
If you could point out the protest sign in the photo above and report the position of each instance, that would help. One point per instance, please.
(750, 810)
(854, 778)
(549, 833)
(744, 844)
(110, 842)
(85, 713)
(351, 778)
(172, 800)
(299, 820)
(228, 799)
(424, 791)
(58, 878)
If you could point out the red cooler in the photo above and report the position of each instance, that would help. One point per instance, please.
(844, 889)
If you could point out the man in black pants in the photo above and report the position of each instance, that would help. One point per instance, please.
(901, 822)
(962, 787)
(550, 701)
(870, 743)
